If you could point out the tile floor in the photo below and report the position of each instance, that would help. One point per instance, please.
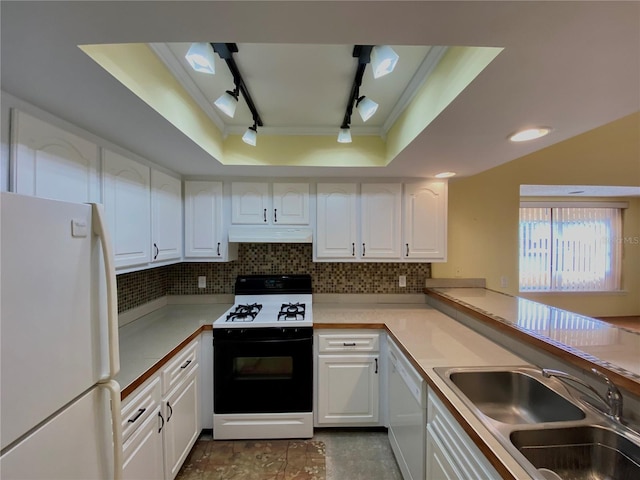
(351, 454)
(358, 455)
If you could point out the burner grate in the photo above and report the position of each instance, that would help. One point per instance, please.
(291, 312)
(244, 313)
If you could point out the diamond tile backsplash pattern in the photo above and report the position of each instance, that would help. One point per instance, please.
(138, 288)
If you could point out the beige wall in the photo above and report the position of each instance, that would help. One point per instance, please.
(483, 213)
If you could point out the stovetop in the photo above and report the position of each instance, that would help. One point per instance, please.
(270, 301)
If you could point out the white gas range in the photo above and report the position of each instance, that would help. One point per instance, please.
(278, 310)
(263, 360)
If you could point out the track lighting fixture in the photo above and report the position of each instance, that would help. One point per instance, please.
(200, 57)
(250, 137)
(383, 60)
(228, 101)
(366, 107)
(344, 135)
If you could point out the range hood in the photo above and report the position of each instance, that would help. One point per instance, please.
(266, 234)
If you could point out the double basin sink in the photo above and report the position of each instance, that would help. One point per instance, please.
(544, 424)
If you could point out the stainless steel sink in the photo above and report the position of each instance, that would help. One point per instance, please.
(514, 397)
(580, 452)
(545, 424)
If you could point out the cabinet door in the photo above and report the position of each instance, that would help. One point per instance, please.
(166, 217)
(249, 203)
(127, 206)
(381, 220)
(49, 162)
(439, 464)
(142, 453)
(182, 427)
(348, 389)
(203, 220)
(336, 220)
(290, 204)
(425, 229)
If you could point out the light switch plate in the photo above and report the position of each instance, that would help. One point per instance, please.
(402, 281)
(202, 282)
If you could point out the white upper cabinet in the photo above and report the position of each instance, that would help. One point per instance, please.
(127, 205)
(336, 205)
(381, 220)
(290, 204)
(205, 231)
(425, 227)
(166, 217)
(52, 163)
(252, 203)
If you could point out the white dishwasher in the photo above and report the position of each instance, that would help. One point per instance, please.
(407, 414)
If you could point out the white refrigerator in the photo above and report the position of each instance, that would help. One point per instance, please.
(59, 404)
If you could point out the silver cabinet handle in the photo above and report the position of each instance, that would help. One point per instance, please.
(407, 249)
(264, 215)
(275, 215)
(218, 248)
(137, 415)
(363, 250)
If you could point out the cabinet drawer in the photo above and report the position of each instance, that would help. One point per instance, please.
(349, 342)
(179, 367)
(138, 409)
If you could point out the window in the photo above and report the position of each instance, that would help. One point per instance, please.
(569, 248)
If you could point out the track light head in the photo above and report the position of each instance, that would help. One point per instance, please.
(383, 60)
(250, 137)
(201, 58)
(344, 134)
(227, 102)
(366, 107)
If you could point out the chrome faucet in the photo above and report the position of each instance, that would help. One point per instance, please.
(613, 398)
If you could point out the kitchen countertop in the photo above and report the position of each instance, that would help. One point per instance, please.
(428, 337)
(146, 342)
(582, 340)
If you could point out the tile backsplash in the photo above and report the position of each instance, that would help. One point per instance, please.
(137, 288)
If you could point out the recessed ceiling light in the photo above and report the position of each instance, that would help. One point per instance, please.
(529, 134)
(446, 175)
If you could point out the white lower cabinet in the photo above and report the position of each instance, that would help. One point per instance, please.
(142, 452)
(451, 454)
(182, 427)
(161, 419)
(348, 379)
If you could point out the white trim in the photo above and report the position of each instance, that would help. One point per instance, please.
(574, 204)
(431, 60)
(176, 67)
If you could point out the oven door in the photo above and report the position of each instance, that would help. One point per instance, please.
(263, 370)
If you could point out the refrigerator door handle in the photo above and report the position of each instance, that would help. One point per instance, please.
(100, 229)
(116, 421)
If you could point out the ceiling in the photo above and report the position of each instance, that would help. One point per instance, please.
(298, 88)
(573, 66)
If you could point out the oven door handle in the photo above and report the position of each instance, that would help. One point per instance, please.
(243, 341)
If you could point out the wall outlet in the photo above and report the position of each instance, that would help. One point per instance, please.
(402, 281)
(202, 282)
(458, 273)
(504, 281)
